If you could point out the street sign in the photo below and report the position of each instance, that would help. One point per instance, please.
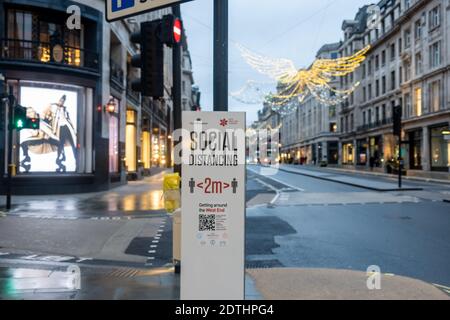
(213, 206)
(119, 9)
(177, 30)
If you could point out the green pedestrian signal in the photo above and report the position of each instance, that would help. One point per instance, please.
(21, 121)
(19, 124)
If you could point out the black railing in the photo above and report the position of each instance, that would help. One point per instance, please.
(374, 125)
(45, 52)
(117, 74)
(132, 95)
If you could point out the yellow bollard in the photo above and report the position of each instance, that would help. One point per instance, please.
(13, 170)
(171, 190)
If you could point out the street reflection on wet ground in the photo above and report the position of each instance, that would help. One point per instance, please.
(55, 283)
(141, 197)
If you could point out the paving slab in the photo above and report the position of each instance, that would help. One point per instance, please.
(324, 284)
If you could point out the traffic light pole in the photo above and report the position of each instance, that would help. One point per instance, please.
(176, 90)
(220, 55)
(10, 147)
(400, 166)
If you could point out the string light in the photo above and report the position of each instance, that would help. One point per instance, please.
(294, 86)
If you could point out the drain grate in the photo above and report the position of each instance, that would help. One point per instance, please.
(124, 273)
(263, 264)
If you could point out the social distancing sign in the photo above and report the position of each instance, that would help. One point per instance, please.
(213, 206)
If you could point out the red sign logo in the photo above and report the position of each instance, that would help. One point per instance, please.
(224, 122)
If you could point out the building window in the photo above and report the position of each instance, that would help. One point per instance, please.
(418, 65)
(377, 62)
(435, 96)
(407, 108)
(407, 37)
(383, 113)
(364, 118)
(393, 52)
(63, 143)
(130, 143)
(435, 17)
(418, 29)
(383, 58)
(393, 80)
(43, 38)
(435, 54)
(19, 34)
(383, 84)
(377, 87)
(333, 127)
(377, 115)
(407, 71)
(114, 139)
(418, 102)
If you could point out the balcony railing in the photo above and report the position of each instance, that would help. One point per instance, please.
(43, 52)
(117, 74)
(374, 125)
(132, 95)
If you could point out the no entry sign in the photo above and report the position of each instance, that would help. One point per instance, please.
(119, 9)
(213, 206)
(177, 30)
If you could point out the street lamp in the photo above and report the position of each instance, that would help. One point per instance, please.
(111, 105)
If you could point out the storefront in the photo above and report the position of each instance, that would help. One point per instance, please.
(114, 134)
(415, 149)
(348, 153)
(333, 152)
(130, 142)
(361, 150)
(439, 149)
(376, 151)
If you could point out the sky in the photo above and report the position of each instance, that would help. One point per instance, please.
(292, 29)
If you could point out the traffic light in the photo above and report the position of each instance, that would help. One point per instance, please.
(21, 121)
(150, 60)
(152, 37)
(397, 120)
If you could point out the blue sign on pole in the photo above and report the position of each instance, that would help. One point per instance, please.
(118, 5)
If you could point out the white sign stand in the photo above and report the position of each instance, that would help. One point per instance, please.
(213, 206)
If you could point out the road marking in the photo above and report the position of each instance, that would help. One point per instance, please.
(155, 241)
(151, 258)
(441, 286)
(286, 184)
(152, 251)
(153, 246)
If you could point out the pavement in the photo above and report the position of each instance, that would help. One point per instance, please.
(361, 182)
(324, 284)
(306, 238)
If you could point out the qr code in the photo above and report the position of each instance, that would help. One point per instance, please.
(207, 222)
